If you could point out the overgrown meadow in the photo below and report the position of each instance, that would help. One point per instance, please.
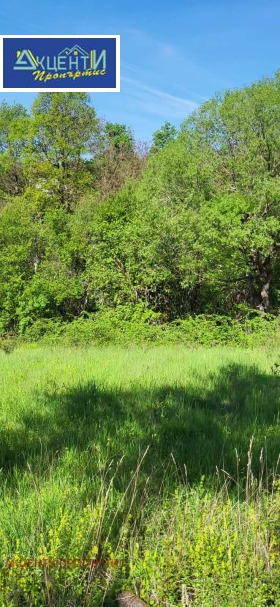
(152, 469)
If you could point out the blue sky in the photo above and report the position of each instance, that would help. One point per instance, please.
(174, 55)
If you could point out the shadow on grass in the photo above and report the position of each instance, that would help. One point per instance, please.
(201, 428)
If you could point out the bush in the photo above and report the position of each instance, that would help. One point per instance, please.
(137, 324)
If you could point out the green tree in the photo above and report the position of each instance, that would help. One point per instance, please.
(119, 136)
(241, 129)
(116, 159)
(163, 136)
(64, 126)
(14, 125)
(194, 229)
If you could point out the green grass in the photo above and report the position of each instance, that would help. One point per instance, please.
(102, 453)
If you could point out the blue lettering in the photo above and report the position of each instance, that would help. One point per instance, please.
(53, 66)
(73, 62)
(41, 62)
(61, 65)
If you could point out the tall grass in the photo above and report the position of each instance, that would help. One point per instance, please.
(159, 463)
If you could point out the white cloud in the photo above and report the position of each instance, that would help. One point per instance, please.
(161, 49)
(158, 102)
(167, 50)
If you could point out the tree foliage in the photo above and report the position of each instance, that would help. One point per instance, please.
(87, 223)
(163, 136)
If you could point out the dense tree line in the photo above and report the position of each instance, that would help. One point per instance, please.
(89, 220)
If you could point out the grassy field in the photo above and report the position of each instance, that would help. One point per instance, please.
(150, 469)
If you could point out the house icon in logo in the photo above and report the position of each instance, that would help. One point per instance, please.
(25, 60)
(75, 51)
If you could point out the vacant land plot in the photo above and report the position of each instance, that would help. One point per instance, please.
(146, 469)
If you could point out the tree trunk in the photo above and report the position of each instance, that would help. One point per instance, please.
(259, 282)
